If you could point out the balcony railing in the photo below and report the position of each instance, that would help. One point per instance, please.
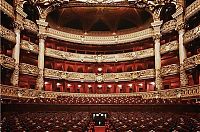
(169, 70)
(7, 61)
(7, 8)
(29, 69)
(30, 25)
(192, 9)
(26, 45)
(168, 26)
(192, 61)
(188, 91)
(100, 40)
(7, 34)
(192, 34)
(171, 46)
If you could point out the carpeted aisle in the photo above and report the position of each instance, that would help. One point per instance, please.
(99, 128)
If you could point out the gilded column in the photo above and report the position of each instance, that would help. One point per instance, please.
(16, 55)
(42, 36)
(158, 80)
(179, 16)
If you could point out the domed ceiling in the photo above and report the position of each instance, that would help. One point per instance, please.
(89, 19)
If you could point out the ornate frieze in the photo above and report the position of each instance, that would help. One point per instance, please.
(40, 79)
(7, 34)
(158, 80)
(26, 45)
(30, 25)
(7, 8)
(169, 70)
(143, 74)
(28, 69)
(192, 9)
(100, 40)
(171, 46)
(169, 93)
(192, 34)
(168, 26)
(15, 75)
(7, 61)
(192, 61)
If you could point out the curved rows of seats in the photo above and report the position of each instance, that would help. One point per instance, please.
(67, 100)
(46, 122)
(153, 122)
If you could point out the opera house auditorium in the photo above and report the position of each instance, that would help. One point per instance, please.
(100, 65)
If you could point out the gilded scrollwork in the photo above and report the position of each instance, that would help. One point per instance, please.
(158, 80)
(192, 34)
(30, 25)
(7, 61)
(7, 8)
(7, 34)
(183, 76)
(171, 46)
(169, 70)
(15, 75)
(40, 79)
(191, 62)
(192, 9)
(168, 26)
(26, 45)
(28, 69)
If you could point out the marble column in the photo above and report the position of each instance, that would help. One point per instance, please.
(158, 80)
(182, 56)
(40, 79)
(16, 55)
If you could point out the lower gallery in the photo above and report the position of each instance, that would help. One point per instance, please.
(100, 65)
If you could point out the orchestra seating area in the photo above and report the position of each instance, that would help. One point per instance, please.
(123, 100)
(153, 122)
(116, 122)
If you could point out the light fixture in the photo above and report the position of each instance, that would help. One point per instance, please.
(99, 86)
(130, 85)
(140, 84)
(79, 86)
(109, 86)
(152, 83)
(45, 83)
(99, 69)
(68, 85)
(89, 86)
(58, 84)
(119, 86)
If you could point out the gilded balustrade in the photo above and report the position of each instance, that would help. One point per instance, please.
(12, 91)
(100, 40)
(171, 46)
(168, 26)
(7, 8)
(29, 69)
(169, 70)
(30, 25)
(7, 34)
(192, 9)
(192, 61)
(26, 45)
(7, 61)
(192, 34)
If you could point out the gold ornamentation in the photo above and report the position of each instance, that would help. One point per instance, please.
(171, 46)
(180, 26)
(18, 26)
(168, 26)
(192, 34)
(42, 36)
(30, 25)
(183, 76)
(169, 70)
(26, 45)
(157, 37)
(29, 69)
(7, 61)
(191, 62)
(40, 80)
(192, 9)
(158, 80)
(7, 34)
(15, 75)
(7, 8)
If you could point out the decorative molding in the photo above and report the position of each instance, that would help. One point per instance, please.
(40, 79)
(169, 70)
(191, 34)
(158, 80)
(171, 46)
(7, 34)
(106, 77)
(100, 40)
(29, 69)
(168, 26)
(189, 91)
(183, 76)
(26, 45)
(191, 62)
(192, 9)
(15, 75)
(7, 61)
(30, 26)
(7, 8)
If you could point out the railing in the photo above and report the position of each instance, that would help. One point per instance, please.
(169, 70)
(30, 25)
(192, 9)
(7, 61)
(188, 91)
(100, 40)
(192, 34)
(7, 8)
(168, 26)
(29, 69)
(171, 46)
(7, 34)
(192, 61)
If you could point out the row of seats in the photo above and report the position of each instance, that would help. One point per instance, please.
(153, 122)
(129, 100)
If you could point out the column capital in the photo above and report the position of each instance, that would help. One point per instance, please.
(18, 26)
(157, 37)
(42, 36)
(42, 26)
(180, 27)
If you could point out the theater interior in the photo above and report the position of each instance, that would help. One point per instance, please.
(100, 65)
